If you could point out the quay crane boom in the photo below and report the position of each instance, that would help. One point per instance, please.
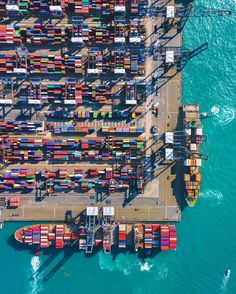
(171, 11)
(202, 12)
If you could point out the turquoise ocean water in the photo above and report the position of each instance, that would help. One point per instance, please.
(206, 235)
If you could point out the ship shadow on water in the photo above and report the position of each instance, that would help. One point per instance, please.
(18, 246)
(67, 254)
(178, 183)
(52, 254)
(48, 268)
(140, 254)
(70, 251)
(46, 263)
(178, 186)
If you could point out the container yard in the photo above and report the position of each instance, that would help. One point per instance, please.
(84, 114)
(92, 130)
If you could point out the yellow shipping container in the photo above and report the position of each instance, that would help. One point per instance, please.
(186, 177)
(198, 177)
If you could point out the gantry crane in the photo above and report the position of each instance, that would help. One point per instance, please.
(108, 227)
(92, 225)
(171, 11)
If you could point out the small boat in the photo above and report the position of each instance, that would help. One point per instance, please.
(227, 273)
(204, 115)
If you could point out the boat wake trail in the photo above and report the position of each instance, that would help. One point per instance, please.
(122, 264)
(223, 115)
(162, 273)
(36, 282)
(224, 284)
(212, 194)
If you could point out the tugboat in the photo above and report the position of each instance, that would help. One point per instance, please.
(205, 115)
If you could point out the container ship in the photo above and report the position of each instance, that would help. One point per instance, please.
(161, 237)
(193, 161)
(44, 235)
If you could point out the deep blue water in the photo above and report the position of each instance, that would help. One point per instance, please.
(206, 235)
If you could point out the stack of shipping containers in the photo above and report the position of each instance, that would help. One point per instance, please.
(14, 202)
(17, 178)
(122, 236)
(156, 236)
(28, 233)
(36, 235)
(148, 242)
(76, 130)
(22, 149)
(65, 94)
(123, 130)
(165, 239)
(21, 127)
(44, 242)
(59, 236)
(173, 239)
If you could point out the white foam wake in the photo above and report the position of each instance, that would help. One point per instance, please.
(212, 195)
(145, 267)
(223, 115)
(36, 282)
(224, 284)
(122, 264)
(162, 273)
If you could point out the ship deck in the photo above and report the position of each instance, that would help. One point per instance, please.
(129, 236)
